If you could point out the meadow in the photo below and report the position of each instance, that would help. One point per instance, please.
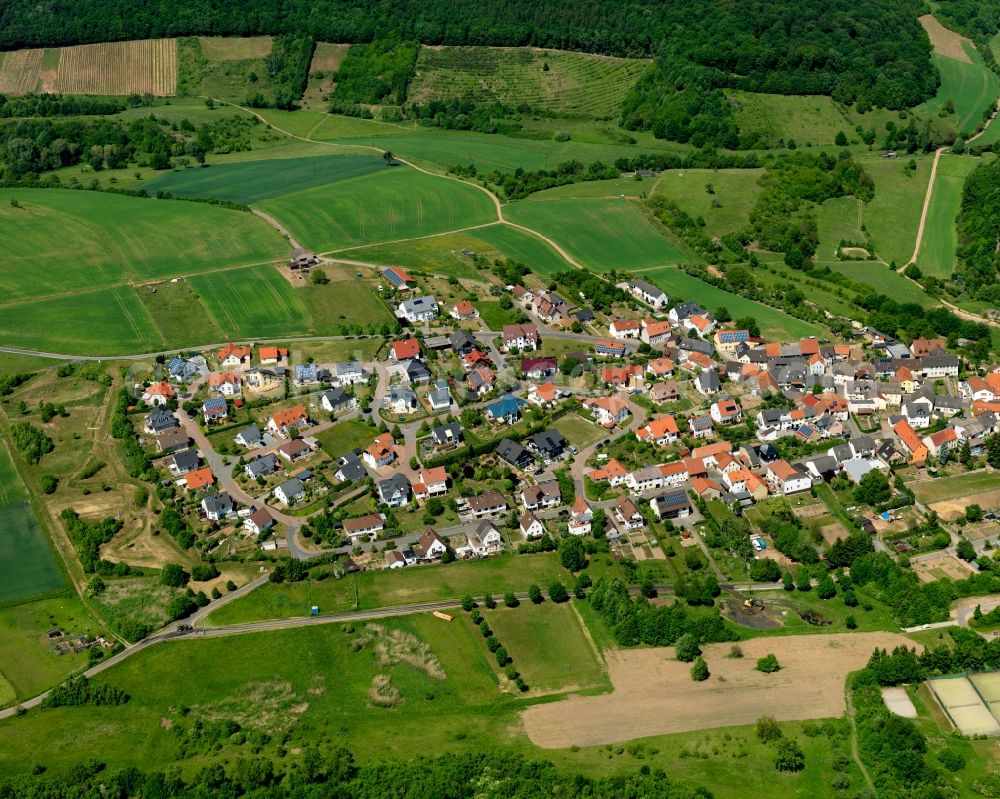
(397, 203)
(970, 85)
(601, 234)
(937, 253)
(442, 255)
(679, 285)
(726, 208)
(374, 589)
(550, 646)
(882, 280)
(808, 121)
(94, 239)
(552, 80)
(892, 216)
(250, 182)
(253, 302)
(945, 488)
(839, 219)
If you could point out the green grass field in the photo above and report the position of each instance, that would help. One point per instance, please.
(736, 191)
(573, 83)
(400, 203)
(549, 646)
(882, 279)
(891, 218)
(971, 86)
(521, 246)
(578, 431)
(252, 181)
(179, 314)
(12, 490)
(254, 302)
(343, 437)
(773, 323)
(601, 234)
(494, 316)
(373, 589)
(839, 220)
(27, 563)
(93, 240)
(945, 488)
(937, 254)
(102, 322)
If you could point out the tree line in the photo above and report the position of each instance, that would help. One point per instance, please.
(979, 233)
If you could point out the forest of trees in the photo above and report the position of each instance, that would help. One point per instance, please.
(979, 233)
(333, 774)
(977, 19)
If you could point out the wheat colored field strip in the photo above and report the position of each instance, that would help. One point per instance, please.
(119, 68)
(20, 71)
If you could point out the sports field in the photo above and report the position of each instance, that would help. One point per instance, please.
(396, 203)
(937, 253)
(600, 233)
(773, 323)
(94, 239)
(252, 181)
(26, 562)
(725, 209)
(561, 82)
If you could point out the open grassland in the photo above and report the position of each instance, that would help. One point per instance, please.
(93, 239)
(882, 280)
(551, 80)
(773, 323)
(254, 302)
(892, 217)
(937, 253)
(839, 219)
(806, 120)
(12, 490)
(179, 314)
(234, 48)
(725, 209)
(969, 84)
(317, 683)
(944, 41)
(252, 181)
(342, 302)
(442, 255)
(343, 437)
(27, 660)
(946, 488)
(137, 67)
(326, 61)
(601, 234)
(373, 589)
(397, 203)
(549, 645)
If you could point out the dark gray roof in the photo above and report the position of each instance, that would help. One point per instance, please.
(512, 452)
(186, 460)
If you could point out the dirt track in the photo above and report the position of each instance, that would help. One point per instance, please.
(655, 695)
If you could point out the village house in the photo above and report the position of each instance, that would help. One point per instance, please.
(673, 504)
(350, 373)
(199, 478)
(234, 355)
(546, 494)
(648, 293)
(439, 397)
(249, 437)
(401, 400)
(381, 453)
(398, 278)
(484, 540)
(612, 471)
(680, 313)
(258, 521)
(290, 491)
(531, 526)
(581, 517)
(622, 377)
(544, 396)
(182, 369)
(418, 309)
(506, 409)
(447, 436)
(294, 450)
(264, 466)
(433, 483)
(184, 462)
(661, 431)
(520, 337)
(783, 478)
(287, 421)
(430, 546)
(270, 355)
(701, 426)
(464, 310)
(259, 379)
(172, 440)
(404, 350)
(217, 506)
(364, 528)
(627, 516)
(214, 409)
(349, 467)
(610, 349)
(548, 444)
(489, 503)
(513, 453)
(608, 411)
(667, 391)
(228, 384)
(624, 328)
(336, 400)
(655, 333)
(159, 421)
(660, 367)
(394, 491)
(726, 411)
(539, 368)
(158, 393)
